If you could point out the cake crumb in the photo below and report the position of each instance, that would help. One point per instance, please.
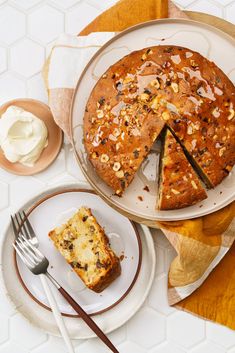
(121, 257)
(140, 198)
(146, 188)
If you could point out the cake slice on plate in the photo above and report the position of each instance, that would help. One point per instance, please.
(179, 185)
(85, 247)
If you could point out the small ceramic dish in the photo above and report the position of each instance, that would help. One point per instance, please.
(55, 137)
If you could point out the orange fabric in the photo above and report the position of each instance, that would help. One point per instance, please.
(215, 299)
(218, 291)
(127, 13)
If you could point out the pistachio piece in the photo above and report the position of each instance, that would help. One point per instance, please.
(119, 174)
(94, 155)
(165, 116)
(144, 96)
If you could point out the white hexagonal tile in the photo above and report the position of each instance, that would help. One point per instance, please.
(12, 24)
(62, 179)
(11, 87)
(207, 7)
(28, 187)
(11, 347)
(146, 328)
(53, 344)
(4, 195)
(224, 2)
(3, 59)
(28, 336)
(183, 3)
(6, 307)
(158, 296)
(168, 347)
(230, 12)
(160, 260)
(26, 4)
(221, 335)
(4, 331)
(57, 168)
(47, 18)
(36, 88)
(208, 347)
(101, 5)
(5, 176)
(75, 20)
(94, 345)
(118, 336)
(65, 4)
(26, 57)
(185, 329)
(130, 347)
(72, 165)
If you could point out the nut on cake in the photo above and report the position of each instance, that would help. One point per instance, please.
(85, 247)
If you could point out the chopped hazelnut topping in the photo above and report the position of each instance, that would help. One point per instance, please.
(193, 63)
(119, 174)
(144, 97)
(165, 116)
(231, 115)
(155, 83)
(104, 158)
(116, 132)
(116, 166)
(168, 197)
(176, 192)
(221, 151)
(194, 184)
(94, 155)
(100, 114)
(190, 130)
(216, 112)
(175, 87)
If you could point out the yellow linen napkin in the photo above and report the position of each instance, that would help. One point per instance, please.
(202, 276)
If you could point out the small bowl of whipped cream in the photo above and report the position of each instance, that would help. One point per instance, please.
(30, 140)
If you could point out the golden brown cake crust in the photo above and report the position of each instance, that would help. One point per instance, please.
(179, 185)
(147, 89)
(85, 247)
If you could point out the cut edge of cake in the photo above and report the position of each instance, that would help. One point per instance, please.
(85, 246)
(183, 188)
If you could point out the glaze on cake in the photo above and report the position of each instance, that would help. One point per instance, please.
(151, 88)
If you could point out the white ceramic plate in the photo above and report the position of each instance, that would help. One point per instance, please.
(55, 210)
(108, 320)
(203, 38)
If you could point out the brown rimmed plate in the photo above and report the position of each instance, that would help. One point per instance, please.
(55, 137)
(53, 210)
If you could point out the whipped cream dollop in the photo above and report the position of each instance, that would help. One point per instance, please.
(23, 136)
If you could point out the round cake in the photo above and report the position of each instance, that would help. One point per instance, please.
(153, 90)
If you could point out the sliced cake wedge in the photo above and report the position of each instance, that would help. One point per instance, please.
(85, 247)
(179, 185)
